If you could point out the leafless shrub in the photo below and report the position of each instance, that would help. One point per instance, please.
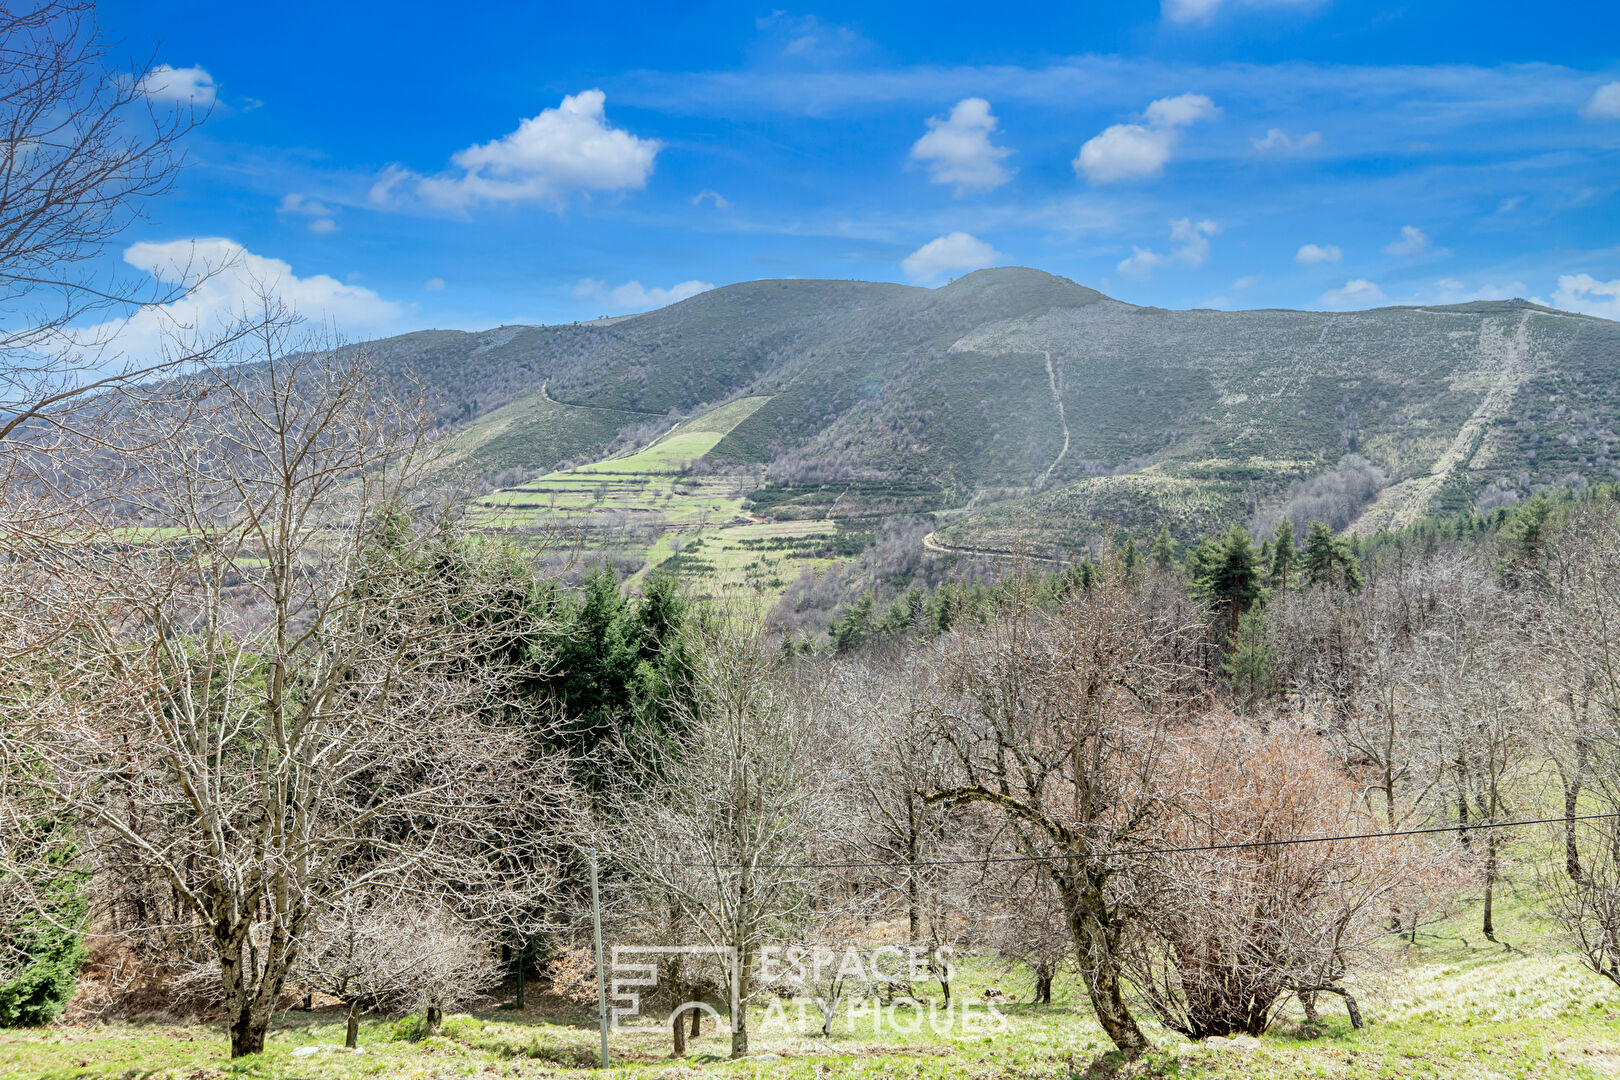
(1222, 937)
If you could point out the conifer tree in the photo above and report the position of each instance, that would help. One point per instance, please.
(1164, 552)
(1282, 555)
(1328, 560)
(1229, 574)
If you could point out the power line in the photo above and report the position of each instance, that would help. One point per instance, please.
(1121, 852)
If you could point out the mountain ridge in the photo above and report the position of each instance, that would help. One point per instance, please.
(1043, 406)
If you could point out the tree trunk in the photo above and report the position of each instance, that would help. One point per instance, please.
(1095, 938)
(250, 996)
(351, 1038)
(435, 1017)
(697, 1023)
(1464, 835)
(1490, 882)
(522, 979)
(677, 1032)
(1043, 983)
(1350, 1005)
(1572, 798)
(1307, 999)
(248, 1029)
(739, 1005)
(942, 971)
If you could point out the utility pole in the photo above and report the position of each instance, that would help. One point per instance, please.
(601, 973)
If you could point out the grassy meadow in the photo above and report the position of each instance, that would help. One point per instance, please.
(1453, 1005)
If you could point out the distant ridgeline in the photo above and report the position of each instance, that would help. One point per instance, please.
(1044, 413)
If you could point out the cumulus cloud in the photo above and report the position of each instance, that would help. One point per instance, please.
(1312, 254)
(1413, 241)
(550, 156)
(957, 148)
(950, 254)
(434, 284)
(1189, 246)
(189, 85)
(1604, 104)
(1586, 294)
(1181, 110)
(227, 279)
(1130, 151)
(1185, 11)
(1278, 140)
(1357, 293)
(634, 296)
(719, 200)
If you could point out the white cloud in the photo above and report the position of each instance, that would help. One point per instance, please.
(1247, 282)
(1586, 294)
(1279, 140)
(295, 204)
(634, 296)
(188, 85)
(958, 150)
(561, 151)
(1311, 254)
(1189, 246)
(1128, 151)
(1181, 110)
(807, 38)
(1604, 104)
(227, 278)
(434, 284)
(720, 201)
(1205, 10)
(1357, 293)
(1451, 291)
(953, 253)
(1413, 241)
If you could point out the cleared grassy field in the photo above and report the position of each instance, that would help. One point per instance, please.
(757, 560)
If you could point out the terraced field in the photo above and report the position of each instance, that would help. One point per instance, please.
(651, 503)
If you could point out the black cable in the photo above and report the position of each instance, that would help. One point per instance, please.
(1237, 845)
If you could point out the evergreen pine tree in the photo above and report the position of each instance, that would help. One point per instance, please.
(1282, 555)
(1164, 551)
(1228, 573)
(1328, 560)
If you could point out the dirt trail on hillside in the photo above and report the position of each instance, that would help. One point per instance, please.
(1057, 399)
(1512, 348)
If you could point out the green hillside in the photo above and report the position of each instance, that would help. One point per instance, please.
(1047, 410)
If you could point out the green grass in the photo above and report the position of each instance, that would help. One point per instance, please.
(1445, 1009)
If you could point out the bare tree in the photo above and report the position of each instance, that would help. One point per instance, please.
(727, 831)
(1224, 936)
(1588, 908)
(396, 953)
(257, 691)
(1059, 720)
(1474, 681)
(84, 147)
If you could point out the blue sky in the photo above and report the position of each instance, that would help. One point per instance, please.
(399, 166)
